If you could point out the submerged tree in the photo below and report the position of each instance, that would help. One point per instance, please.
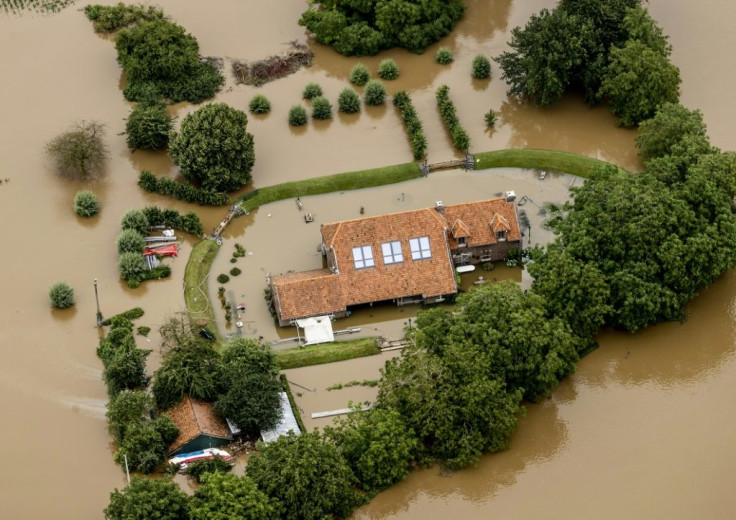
(148, 499)
(80, 153)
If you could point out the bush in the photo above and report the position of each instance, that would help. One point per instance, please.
(162, 54)
(444, 56)
(214, 148)
(360, 75)
(86, 203)
(223, 278)
(144, 495)
(321, 108)
(490, 118)
(311, 91)
(130, 241)
(107, 19)
(148, 127)
(131, 267)
(235, 271)
(259, 104)
(62, 295)
(297, 116)
(80, 153)
(149, 182)
(458, 135)
(199, 468)
(349, 101)
(375, 93)
(388, 69)
(481, 67)
(135, 219)
(413, 126)
(143, 330)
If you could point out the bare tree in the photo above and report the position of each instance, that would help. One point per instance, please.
(80, 153)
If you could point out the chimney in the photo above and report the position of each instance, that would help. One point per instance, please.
(439, 206)
(510, 196)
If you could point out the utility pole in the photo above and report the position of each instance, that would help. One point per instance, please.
(97, 299)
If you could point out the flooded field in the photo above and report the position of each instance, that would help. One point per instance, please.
(643, 429)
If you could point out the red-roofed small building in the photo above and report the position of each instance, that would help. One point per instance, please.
(405, 257)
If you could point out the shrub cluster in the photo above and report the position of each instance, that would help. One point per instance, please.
(311, 91)
(163, 186)
(388, 69)
(444, 56)
(349, 101)
(459, 136)
(148, 127)
(297, 115)
(188, 222)
(110, 18)
(321, 108)
(86, 203)
(131, 241)
(259, 104)
(490, 118)
(375, 93)
(481, 67)
(131, 314)
(418, 141)
(359, 75)
(61, 295)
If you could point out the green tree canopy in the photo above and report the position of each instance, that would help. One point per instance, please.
(159, 54)
(305, 476)
(664, 133)
(148, 499)
(364, 27)
(251, 386)
(214, 148)
(145, 443)
(224, 496)
(377, 445)
(126, 408)
(148, 127)
(638, 81)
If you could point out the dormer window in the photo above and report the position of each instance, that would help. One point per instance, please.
(363, 257)
(420, 248)
(462, 242)
(501, 236)
(392, 253)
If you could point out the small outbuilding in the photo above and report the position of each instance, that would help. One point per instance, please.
(199, 426)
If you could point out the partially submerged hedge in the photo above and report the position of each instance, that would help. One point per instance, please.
(402, 101)
(163, 186)
(460, 138)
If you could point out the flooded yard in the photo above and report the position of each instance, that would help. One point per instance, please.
(642, 430)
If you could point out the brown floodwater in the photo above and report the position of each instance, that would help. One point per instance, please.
(643, 429)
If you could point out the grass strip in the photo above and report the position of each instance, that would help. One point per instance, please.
(329, 183)
(196, 296)
(292, 402)
(565, 162)
(326, 353)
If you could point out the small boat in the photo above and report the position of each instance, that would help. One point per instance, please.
(184, 459)
(465, 269)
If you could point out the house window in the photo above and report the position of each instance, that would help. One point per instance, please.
(392, 253)
(501, 236)
(363, 257)
(420, 248)
(462, 242)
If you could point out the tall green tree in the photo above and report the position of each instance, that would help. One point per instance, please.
(251, 386)
(638, 81)
(377, 445)
(664, 133)
(305, 476)
(126, 408)
(214, 148)
(148, 499)
(224, 496)
(546, 55)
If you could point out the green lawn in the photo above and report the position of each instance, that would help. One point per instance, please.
(565, 162)
(195, 285)
(326, 353)
(338, 182)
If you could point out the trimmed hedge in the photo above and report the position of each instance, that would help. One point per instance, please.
(460, 138)
(418, 141)
(131, 314)
(189, 222)
(163, 186)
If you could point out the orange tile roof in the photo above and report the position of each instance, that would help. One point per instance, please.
(480, 216)
(308, 293)
(320, 291)
(194, 418)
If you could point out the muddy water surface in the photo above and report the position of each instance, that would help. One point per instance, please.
(643, 429)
